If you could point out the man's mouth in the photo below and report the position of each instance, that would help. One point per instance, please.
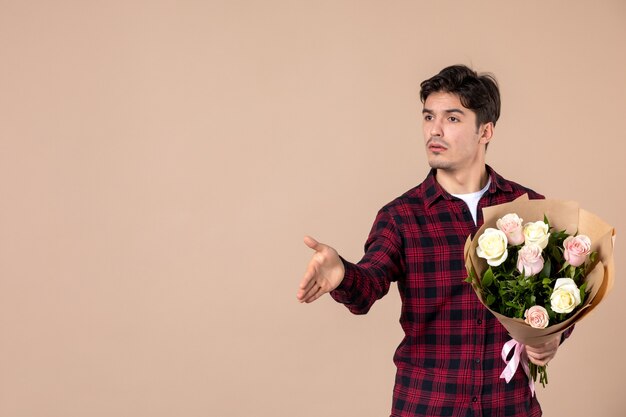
(436, 147)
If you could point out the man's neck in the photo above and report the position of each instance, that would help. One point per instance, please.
(462, 182)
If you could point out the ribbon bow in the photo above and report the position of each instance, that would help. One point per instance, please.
(511, 366)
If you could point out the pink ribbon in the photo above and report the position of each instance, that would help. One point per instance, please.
(511, 366)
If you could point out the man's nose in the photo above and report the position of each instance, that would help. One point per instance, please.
(435, 128)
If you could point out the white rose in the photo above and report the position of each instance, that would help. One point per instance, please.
(492, 246)
(565, 296)
(537, 233)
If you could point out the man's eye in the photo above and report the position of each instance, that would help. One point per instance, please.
(428, 117)
(453, 119)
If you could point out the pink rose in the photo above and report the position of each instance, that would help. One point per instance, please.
(537, 317)
(511, 225)
(576, 249)
(529, 259)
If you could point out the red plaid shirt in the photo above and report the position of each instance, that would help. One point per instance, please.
(449, 360)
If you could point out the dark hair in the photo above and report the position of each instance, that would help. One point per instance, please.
(477, 92)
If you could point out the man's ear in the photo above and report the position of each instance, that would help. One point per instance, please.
(486, 132)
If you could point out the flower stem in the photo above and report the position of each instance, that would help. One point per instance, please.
(538, 370)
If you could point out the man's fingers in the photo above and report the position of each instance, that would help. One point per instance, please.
(307, 283)
(545, 349)
(315, 293)
(538, 358)
(311, 292)
(544, 353)
(538, 353)
(539, 361)
(312, 243)
(306, 293)
(307, 280)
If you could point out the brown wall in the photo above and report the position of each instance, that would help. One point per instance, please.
(160, 162)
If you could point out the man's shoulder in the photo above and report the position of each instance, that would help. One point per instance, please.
(413, 197)
(517, 189)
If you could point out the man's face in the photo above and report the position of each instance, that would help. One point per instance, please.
(453, 143)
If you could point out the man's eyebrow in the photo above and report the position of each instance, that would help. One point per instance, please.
(455, 110)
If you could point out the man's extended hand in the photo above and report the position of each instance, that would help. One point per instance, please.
(542, 354)
(323, 274)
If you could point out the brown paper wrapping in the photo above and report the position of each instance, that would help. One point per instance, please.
(562, 215)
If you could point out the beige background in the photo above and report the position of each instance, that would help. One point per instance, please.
(160, 162)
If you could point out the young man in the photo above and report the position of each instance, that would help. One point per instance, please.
(449, 361)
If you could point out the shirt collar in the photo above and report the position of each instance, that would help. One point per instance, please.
(433, 191)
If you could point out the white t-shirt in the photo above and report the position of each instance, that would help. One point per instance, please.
(472, 199)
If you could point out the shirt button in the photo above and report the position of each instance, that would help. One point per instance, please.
(477, 361)
(474, 399)
(479, 321)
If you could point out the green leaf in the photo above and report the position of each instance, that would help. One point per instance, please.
(583, 292)
(547, 268)
(471, 277)
(490, 299)
(564, 267)
(571, 272)
(488, 277)
(556, 254)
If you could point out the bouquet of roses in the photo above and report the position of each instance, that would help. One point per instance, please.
(540, 277)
